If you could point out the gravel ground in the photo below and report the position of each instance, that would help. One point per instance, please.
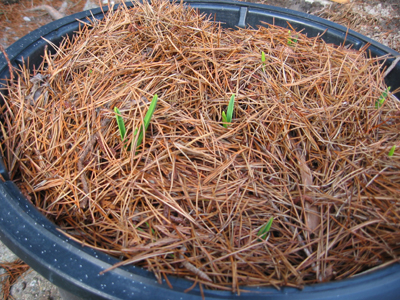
(377, 19)
(30, 286)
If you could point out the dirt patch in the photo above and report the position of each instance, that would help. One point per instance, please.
(16, 20)
(379, 21)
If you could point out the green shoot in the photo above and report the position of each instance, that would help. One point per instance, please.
(151, 229)
(391, 152)
(146, 120)
(263, 59)
(227, 118)
(224, 119)
(148, 226)
(120, 122)
(263, 56)
(229, 111)
(382, 98)
(262, 233)
(291, 41)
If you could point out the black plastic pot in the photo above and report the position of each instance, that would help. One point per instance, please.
(76, 269)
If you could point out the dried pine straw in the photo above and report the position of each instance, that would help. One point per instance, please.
(306, 146)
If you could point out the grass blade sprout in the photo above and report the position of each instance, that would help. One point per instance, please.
(146, 120)
(120, 122)
(291, 40)
(391, 151)
(262, 233)
(227, 117)
(263, 59)
(382, 98)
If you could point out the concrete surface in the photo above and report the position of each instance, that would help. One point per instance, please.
(31, 285)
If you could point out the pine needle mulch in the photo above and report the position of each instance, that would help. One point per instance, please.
(307, 146)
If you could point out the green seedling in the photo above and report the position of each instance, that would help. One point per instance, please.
(262, 233)
(263, 59)
(290, 40)
(227, 118)
(391, 152)
(120, 122)
(146, 120)
(148, 226)
(382, 98)
(151, 229)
